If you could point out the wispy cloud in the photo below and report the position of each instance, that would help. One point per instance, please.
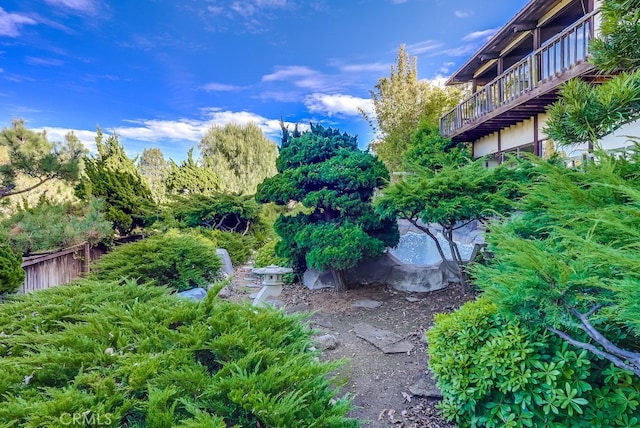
(11, 23)
(337, 104)
(300, 76)
(360, 68)
(422, 47)
(398, 1)
(220, 87)
(462, 50)
(86, 7)
(483, 35)
(46, 62)
(462, 13)
(446, 67)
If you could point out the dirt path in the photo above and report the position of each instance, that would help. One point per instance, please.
(387, 387)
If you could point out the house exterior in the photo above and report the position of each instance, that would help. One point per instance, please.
(516, 75)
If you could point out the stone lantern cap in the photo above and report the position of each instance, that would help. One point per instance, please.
(272, 270)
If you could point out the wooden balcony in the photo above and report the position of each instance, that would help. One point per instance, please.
(526, 88)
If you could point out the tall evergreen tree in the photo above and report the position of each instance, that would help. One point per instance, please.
(113, 177)
(240, 155)
(325, 171)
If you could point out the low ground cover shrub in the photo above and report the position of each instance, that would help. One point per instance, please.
(128, 354)
(173, 259)
(497, 373)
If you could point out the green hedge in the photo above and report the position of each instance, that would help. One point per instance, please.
(131, 355)
(11, 272)
(176, 260)
(496, 373)
(240, 247)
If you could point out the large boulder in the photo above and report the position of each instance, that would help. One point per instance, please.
(315, 279)
(227, 267)
(388, 270)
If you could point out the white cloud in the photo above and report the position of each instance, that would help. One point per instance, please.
(462, 13)
(337, 104)
(422, 47)
(56, 134)
(484, 35)
(446, 67)
(192, 130)
(398, 1)
(220, 87)
(11, 23)
(88, 7)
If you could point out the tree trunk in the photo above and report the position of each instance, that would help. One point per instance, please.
(338, 278)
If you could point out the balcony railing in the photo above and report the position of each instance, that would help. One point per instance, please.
(559, 54)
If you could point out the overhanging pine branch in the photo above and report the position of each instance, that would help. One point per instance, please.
(596, 351)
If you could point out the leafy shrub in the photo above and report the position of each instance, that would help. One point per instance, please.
(240, 247)
(173, 259)
(131, 355)
(266, 256)
(497, 373)
(49, 226)
(11, 272)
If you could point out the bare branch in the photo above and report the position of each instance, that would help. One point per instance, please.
(596, 351)
(611, 348)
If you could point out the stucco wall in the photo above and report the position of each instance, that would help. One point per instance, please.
(517, 135)
(486, 145)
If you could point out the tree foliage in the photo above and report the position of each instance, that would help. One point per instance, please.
(586, 112)
(240, 155)
(453, 197)
(618, 48)
(400, 102)
(191, 178)
(113, 177)
(49, 226)
(220, 211)
(31, 154)
(431, 151)
(11, 272)
(570, 261)
(155, 169)
(325, 171)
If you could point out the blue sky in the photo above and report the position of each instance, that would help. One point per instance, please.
(161, 72)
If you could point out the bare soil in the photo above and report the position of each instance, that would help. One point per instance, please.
(380, 384)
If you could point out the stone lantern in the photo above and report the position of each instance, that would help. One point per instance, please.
(271, 282)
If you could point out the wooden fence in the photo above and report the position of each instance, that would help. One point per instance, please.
(62, 267)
